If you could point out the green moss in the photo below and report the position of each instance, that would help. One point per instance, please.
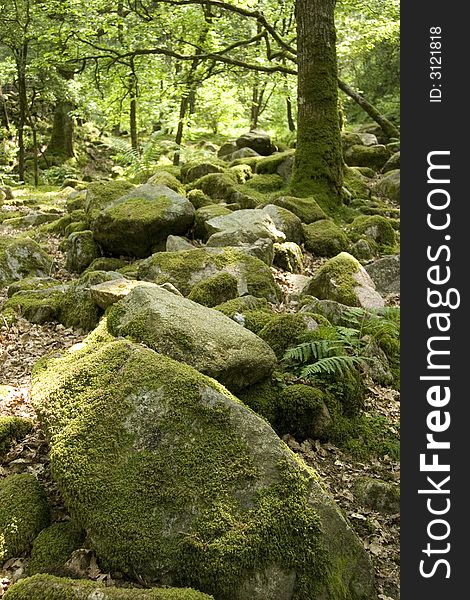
(165, 178)
(192, 171)
(270, 164)
(198, 199)
(90, 395)
(265, 184)
(376, 228)
(283, 332)
(307, 209)
(12, 428)
(298, 411)
(53, 546)
(288, 256)
(76, 226)
(215, 290)
(334, 280)
(263, 398)
(242, 172)
(253, 313)
(356, 183)
(219, 186)
(367, 156)
(102, 193)
(23, 513)
(48, 587)
(58, 226)
(324, 238)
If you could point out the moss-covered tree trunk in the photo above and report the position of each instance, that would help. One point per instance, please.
(60, 146)
(318, 168)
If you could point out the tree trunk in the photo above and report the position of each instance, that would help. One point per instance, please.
(255, 104)
(133, 93)
(290, 115)
(318, 166)
(21, 57)
(4, 118)
(179, 132)
(60, 146)
(388, 128)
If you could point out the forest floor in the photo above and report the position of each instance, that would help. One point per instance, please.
(23, 343)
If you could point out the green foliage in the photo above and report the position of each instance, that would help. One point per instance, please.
(53, 546)
(12, 428)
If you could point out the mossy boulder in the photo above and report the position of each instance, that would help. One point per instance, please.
(37, 305)
(215, 290)
(24, 512)
(307, 209)
(345, 280)
(20, 258)
(302, 412)
(31, 283)
(82, 250)
(176, 481)
(374, 228)
(193, 171)
(286, 221)
(324, 238)
(247, 226)
(219, 186)
(194, 334)
(389, 186)
(168, 180)
(11, 429)
(48, 587)
(32, 219)
(198, 199)
(104, 263)
(280, 163)
(205, 214)
(263, 248)
(53, 546)
(137, 222)
(185, 269)
(76, 201)
(266, 183)
(356, 183)
(283, 331)
(367, 156)
(257, 140)
(248, 311)
(288, 256)
(101, 194)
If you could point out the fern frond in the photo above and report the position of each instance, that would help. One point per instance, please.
(316, 349)
(334, 365)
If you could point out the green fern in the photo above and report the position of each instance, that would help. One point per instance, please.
(343, 365)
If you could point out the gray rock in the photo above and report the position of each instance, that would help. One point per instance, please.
(389, 185)
(262, 248)
(194, 334)
(246, 225)
(241, 153)
(287, 222)
(368, 139)
(288, 256)
(378, 495)
(227, 148)
(385, 273)
(392, 163)
(82, 250)
(195, 170)
(175, 243)
(367, 156)
(257, 140)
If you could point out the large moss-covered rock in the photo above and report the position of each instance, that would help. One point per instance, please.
(284, 330)
(247, 225)
(376, 228)
(219, 186)
(140, 220)
(392, 163)
(257, 140)
(23, 513)
(20, 258)
(193, 171)
(367, 156)
(185, 269)
(186, 331)
(325, 238)
(168, 180)
(48, 587)
(177, 482)
(345, 280)
(307, 209)
(82, 250)
(38, 305)
(12, 428)
(53, 546)
(262, 248)
(101, 194)
(215, 290)
(287, 222)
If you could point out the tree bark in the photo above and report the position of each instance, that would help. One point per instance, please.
(60, 146)
(133, 92)
(318, 166)
(21, 57)
(179, 132)
(387, 126)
